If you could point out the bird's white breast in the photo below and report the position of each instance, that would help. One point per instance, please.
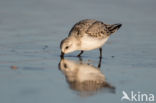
(90, 43)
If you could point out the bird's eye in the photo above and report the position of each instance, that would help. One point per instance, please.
(67, 47)
(65, 65)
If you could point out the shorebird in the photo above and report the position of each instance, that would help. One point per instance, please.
(87, 35)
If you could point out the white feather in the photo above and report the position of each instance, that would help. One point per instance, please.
(90, 43)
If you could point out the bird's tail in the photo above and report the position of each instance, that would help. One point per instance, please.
(114, 27)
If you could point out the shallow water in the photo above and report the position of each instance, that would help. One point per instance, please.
(30, 34)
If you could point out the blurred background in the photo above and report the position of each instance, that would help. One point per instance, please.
(30, 35)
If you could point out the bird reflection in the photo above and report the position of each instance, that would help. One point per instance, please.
(83, 77)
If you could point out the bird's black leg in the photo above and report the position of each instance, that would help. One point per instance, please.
(100, 52)
(80, 53)
(100, 60)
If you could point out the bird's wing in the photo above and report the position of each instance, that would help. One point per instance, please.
(98, 29)
(80, 27)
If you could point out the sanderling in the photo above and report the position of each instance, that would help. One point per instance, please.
(87, 35)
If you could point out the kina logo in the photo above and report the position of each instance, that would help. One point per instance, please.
(138, 97)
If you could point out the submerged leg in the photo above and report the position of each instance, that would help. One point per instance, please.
(80, 53)
(100, 52)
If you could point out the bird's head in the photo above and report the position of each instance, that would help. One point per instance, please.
(68, 45)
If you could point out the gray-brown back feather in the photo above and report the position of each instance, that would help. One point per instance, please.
(93, 28)
(79, 28)
(98, 29)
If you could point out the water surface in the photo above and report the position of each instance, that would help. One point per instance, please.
(30, 34)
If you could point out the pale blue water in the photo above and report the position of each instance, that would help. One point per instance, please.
(30, 34)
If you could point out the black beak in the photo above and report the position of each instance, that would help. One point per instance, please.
(62, 55)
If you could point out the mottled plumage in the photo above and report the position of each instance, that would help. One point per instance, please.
(86, 35)
(93, 28)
